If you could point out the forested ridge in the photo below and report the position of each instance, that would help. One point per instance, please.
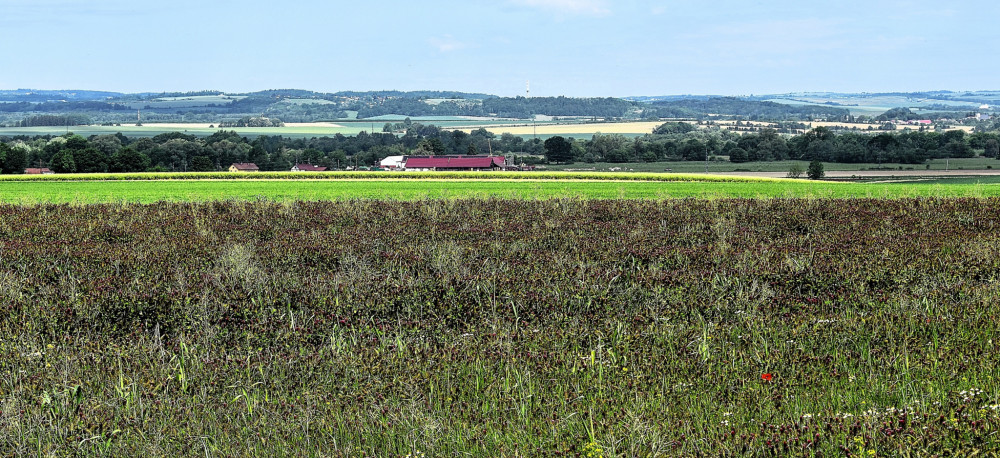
(22, 108)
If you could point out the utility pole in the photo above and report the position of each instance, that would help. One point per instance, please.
(527, 94)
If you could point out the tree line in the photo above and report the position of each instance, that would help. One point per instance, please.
(177, 151)
(753, 110)
(678, 141)
(672, 141)
(504, 107)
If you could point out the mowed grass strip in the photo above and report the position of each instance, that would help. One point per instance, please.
(365, 175)
(321, 190)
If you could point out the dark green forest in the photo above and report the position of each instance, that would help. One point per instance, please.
(748, 109)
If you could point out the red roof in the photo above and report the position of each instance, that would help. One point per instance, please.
(309, 168)
(484, 162)
(246, 166)
(41, 171)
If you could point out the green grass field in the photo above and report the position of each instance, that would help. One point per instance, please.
(27, 192)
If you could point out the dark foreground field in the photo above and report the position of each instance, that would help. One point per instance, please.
(501, 327)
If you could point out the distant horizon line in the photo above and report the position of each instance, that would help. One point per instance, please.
(680, 94)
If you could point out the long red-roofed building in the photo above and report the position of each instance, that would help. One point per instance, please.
(308, 168)
(455, 163)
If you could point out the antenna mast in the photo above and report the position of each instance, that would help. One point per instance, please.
(534, 130)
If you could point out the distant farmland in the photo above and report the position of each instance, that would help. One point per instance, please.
(523, 128)
(347, 127)
(195, 101)
(860, 127)
(197, 129)
(551, 129)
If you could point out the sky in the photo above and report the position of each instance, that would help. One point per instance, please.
(574, 48)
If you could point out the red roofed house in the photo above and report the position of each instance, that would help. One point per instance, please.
(41, 171)
(244, 167)
(307, 168)
(455, 163)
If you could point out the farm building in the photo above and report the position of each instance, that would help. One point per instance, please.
(307, 168)
(41, 171)
(455, 163)
(244, 167)
(393, 162)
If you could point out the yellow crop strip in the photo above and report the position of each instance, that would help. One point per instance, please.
(498, 176)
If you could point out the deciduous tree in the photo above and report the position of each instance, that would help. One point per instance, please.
(815, 171)
(558, 149)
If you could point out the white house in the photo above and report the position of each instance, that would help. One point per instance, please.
(393, 162)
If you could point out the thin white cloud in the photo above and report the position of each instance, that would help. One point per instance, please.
(576, 7)
(447, 43)
(22, 12)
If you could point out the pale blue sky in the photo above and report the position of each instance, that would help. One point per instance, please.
(565, 47)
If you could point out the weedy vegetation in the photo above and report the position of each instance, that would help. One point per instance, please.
(811, 327)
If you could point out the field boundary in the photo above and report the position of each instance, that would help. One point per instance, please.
(399, 176)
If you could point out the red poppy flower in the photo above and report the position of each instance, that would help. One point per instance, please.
(766, 377)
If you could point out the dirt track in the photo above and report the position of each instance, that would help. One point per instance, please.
(879, 173)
